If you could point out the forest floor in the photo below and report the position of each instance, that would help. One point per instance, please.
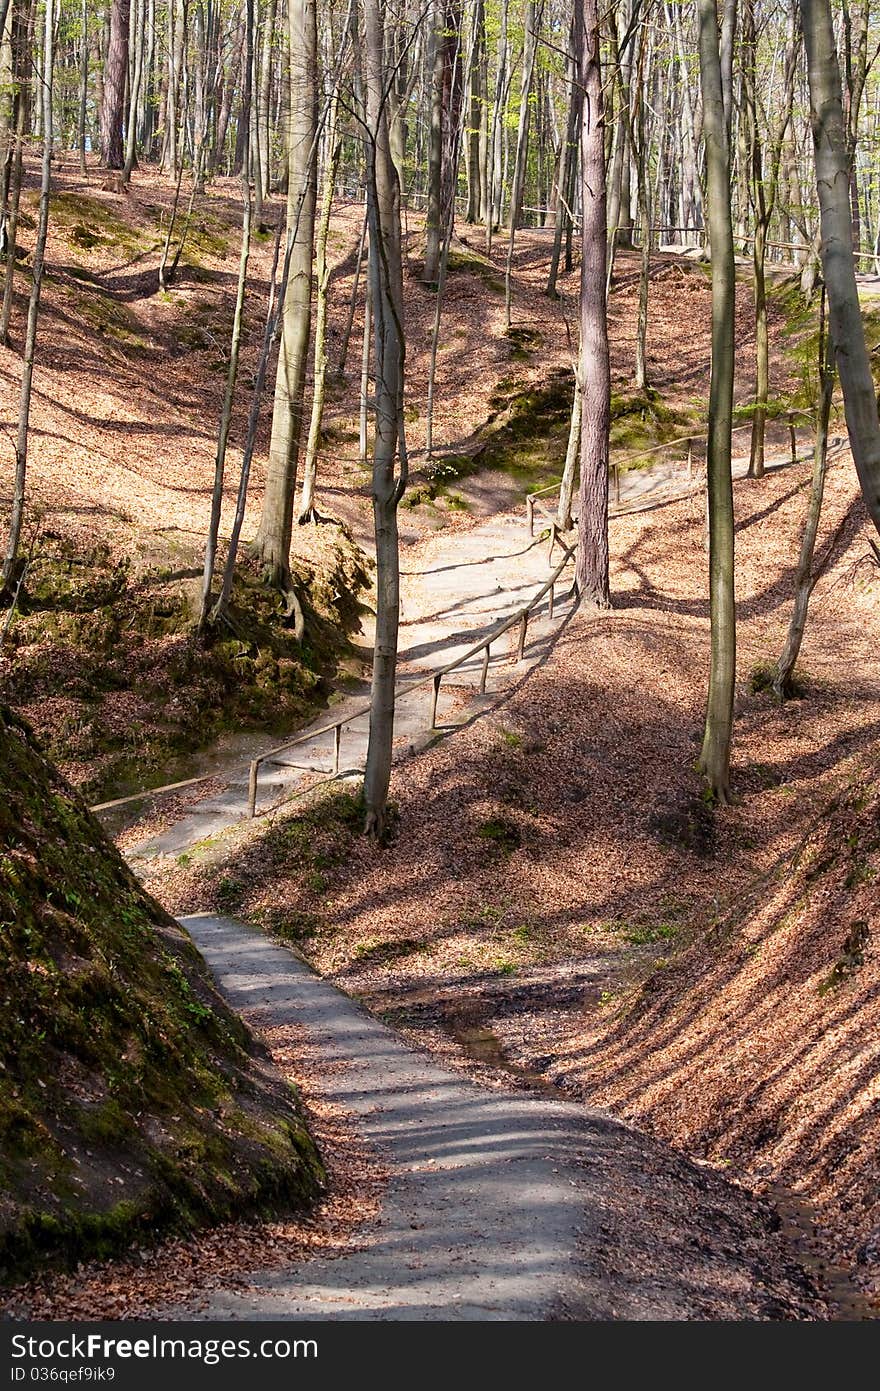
(454, 1201)
(127, 395)
(556, 855)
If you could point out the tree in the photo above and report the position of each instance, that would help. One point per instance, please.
(16, 520)
(595, 374)
(534, 18)
(389, 450)
(763, 183)
(115, 78)
(446, 102)
(715, 753)
(805, 579)
(272, 542)
(838, 265)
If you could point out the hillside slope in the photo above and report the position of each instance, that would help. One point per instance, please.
(559, 850)
(131, 1098)
(760, 1047)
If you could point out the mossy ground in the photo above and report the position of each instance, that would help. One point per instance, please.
(131, 1099)
(281, 877)
(105, 661)
(526, 436)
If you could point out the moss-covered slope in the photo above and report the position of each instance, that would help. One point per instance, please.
(131, 1099)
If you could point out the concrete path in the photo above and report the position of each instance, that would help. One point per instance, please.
(499, 1205)
(466, 584)
(456, 588)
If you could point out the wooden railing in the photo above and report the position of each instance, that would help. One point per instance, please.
(434, 679)
(335, 727)
(621, 462)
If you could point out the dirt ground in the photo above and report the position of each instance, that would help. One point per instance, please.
(557, 853)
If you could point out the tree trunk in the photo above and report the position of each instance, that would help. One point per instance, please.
(273, 315)
(115, 76)
(446, 98)
(83, 84)
(22, 31)
(137, 78)
(16, 520)
(534, 16)
(493, 154)
(272, 542)
(595, 376)
(566, 487)
(844, 312)
(478, 74)
(234, 348)
(715, 754)
(567, 155)
(804, 579)
(386, 278)
(307, 512)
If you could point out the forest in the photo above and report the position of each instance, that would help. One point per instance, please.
(439, 575)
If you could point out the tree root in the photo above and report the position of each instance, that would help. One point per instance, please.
(293, 610)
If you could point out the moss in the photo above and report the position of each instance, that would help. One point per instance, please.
(91, 630)
(106, 316)
(88, 222)
(523, 343)
(303, 848)
(503, 834)
(395, 949)
(640, 421)
(131, 1099)
(472, 263)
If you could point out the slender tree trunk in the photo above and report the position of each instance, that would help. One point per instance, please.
(644, 197)
(137, 78)
(273, 314)
(493, 160)
(844, 312)
(568, 157)
(23, 21)
(364, 398)
(352, 304)
(446, 100)
(595, 376)
(762, 352)
(572, 453)
(534, 16)
(715, 754)
(264, 125)
(307, 512)
(16, 520)
(433, 213)
(234, 348)
(272, 543)
(115, 74)
(386, 277)
(83, 84)
(478, 71)
(804, 579)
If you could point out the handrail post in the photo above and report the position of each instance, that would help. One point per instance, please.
(435, 692)
(485, 672)
(550, 600)
(523, 627)
(793, 437)
(530, 513)
(252, 788)
(337, 741)
(552, 543)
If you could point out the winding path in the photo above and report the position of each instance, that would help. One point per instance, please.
(499, 1205)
